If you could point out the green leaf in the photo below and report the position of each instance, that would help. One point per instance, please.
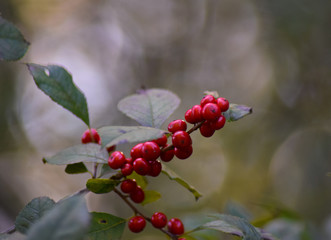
(101, 185)
(57, 83)
(140, 180)
(32, 212)
(173, 176)
(114, 135)
(150, 196)
(67, 220)
(13, 46)
(76, 168)
(150, 107)
(90, 152)
(235, 112)
(105, 226)
(232, 225)
(105, 169)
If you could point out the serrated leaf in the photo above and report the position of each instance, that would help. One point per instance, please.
(67, 220)
(90, 152)
(150, 107)
(114, 135)
(173, 176)
(140, 180)
(150, 196)
(57, 83)
(232, 225)
(101, 185)
(76, 168)
(32, 212)
(236, 112)
(13, 46)
(105, 226)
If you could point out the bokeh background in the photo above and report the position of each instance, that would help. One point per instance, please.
(273, 167)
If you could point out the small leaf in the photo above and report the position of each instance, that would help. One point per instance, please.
(173, 176)
(76, 168)
(150, 107)
(57, 83)
(140, 180)
(150, 196)
(101, 185)
(105, 226)
(235, 112)
(32, 212)
(67, 220)
(90, 152)
(114, 135)
(13, 46)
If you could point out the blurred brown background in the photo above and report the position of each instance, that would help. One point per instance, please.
(272, 55)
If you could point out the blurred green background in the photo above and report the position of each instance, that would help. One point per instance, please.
(272, 167)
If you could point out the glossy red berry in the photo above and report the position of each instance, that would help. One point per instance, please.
(189, 116)
(206, 129)
(127, 169)
(183, 153)
(159, 220)
(175, 226)
(155, 168)
(223, 103)
(136, 151)
(137, 195)
(150, 151)
(167, 156)
(181, 139)
(116, 160)
(197, 113)
(211, 112)
(136, 224)
(141, 166)
(91, 135)
(207, 99)
(181, 238)
(128, 185)
(129, 160)
(177, 125)
(162, 141)
(219, 123)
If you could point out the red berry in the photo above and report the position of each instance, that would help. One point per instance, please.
(141, 166)
(129, 160)
(223, 103)
(177, 125)
(137, 195)
(128, 185)
(181, 238)
(167, 156)
(127, 169)
(116, 160)
(150, 151)
(159, 220)
(211, 112)
(206, 129)
(175, 226)
(136, 224)
(207, 99)
(162, 141)
(181, 139)
(197, 113)
(111, 148)
(183, 153)
(219, 123)
(189, 116)
(88, 138)
(155, 168)
(136, 151)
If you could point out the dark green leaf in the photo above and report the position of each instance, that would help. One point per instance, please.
(13, 46)
(32, 212)
(106, 227)
(90, 152)
(114, 135)
(150, 107)
(67, 220)
(140, 180)
(235, 112)
(173, 176)
(57, 83)
(76, 168)
(101, 185)
(151, 196)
